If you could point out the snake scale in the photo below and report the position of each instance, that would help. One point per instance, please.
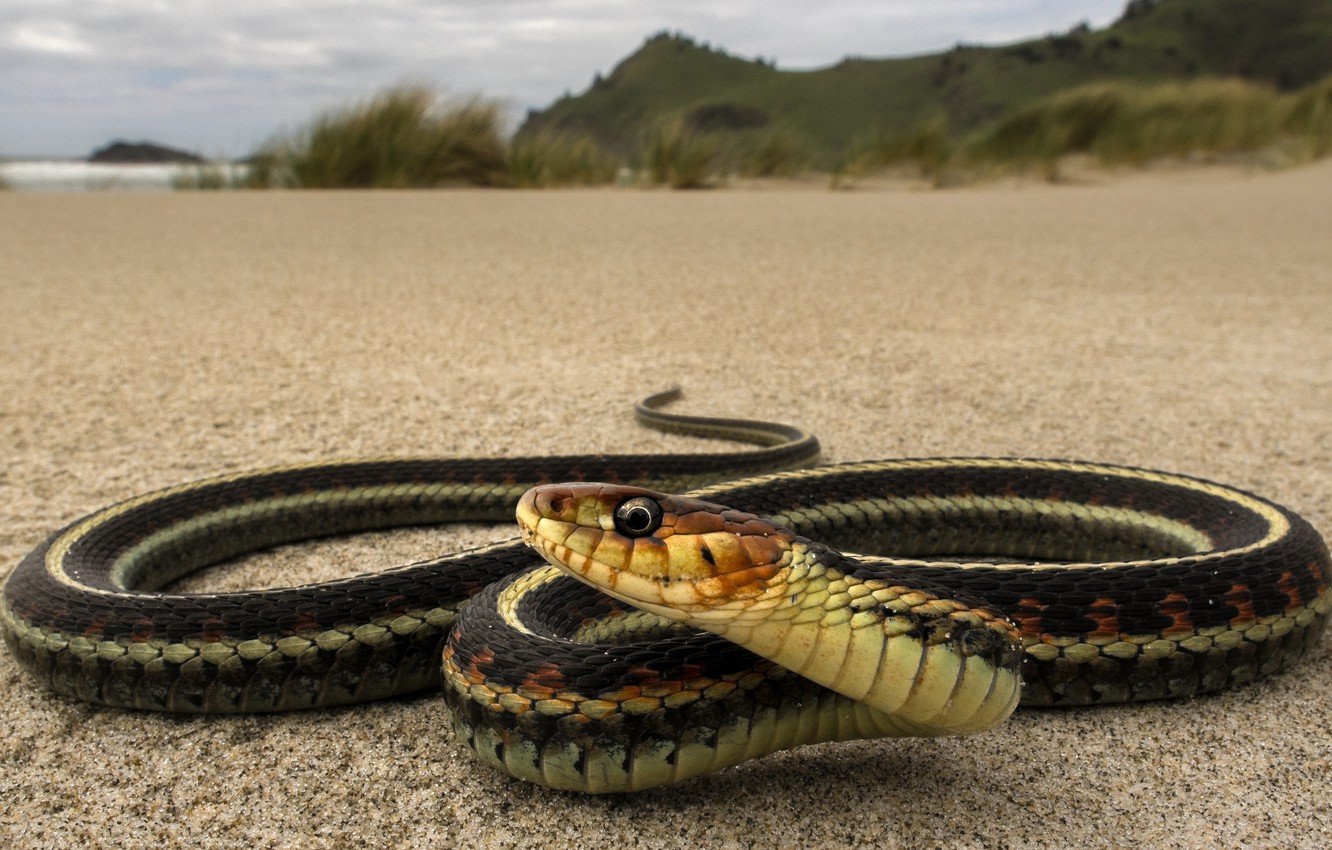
(749, 625)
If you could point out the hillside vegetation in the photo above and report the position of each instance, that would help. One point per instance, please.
(1201, 79)
(743, 104)
(410, 138)
(1118, 124)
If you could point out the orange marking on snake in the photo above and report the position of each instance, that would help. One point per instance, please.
(1319, 576)
(1176, 606)
(623, 693)
(1105, 613)
(547, 676)
(306, 621)
(95, 627)
(473, 672)
(1241, 599)
(1027, 614)
(1287, 585)
(213, 630)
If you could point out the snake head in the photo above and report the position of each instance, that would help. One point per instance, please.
(678, 557)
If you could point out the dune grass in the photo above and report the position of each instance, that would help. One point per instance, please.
(927, 147)
(547, 160)
(1117, 124)
(1121, 124)
(408, 137)
(1178, 120)
(779, 153)
(680, 157)
(1308, 116)
(403, 138)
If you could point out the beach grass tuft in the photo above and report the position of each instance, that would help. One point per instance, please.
(403, 138)
(680, 157)
(409, 137)
(547, 159)
(927, 147)
(1308, 116)
(1122, 124)
(775, 154)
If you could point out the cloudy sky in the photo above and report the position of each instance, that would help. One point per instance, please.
(221, 76)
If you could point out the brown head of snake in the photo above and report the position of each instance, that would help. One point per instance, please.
(931, 662)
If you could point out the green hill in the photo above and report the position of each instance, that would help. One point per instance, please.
(1284, 43)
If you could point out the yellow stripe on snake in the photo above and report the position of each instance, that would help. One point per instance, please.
(671, 636)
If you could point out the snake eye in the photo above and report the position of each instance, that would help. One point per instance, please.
(637, 517)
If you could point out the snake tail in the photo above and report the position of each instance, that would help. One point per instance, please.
(85, 613)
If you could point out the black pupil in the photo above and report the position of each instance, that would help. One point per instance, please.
(638, 518)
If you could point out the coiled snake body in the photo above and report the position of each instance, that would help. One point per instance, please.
(1065, 583)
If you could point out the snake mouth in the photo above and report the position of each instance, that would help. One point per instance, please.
(680, 558)
(527, 518)
(549, 520)
(563, 524)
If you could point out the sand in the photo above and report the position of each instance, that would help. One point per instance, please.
(1173, 321)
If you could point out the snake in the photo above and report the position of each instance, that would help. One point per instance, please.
(665, 616)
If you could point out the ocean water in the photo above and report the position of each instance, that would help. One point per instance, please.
(78, 176)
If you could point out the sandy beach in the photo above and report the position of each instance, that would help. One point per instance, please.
(1177, 321)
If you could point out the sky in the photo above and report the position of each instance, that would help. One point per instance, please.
(220, 77)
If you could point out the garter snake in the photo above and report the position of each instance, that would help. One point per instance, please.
(1065, 583)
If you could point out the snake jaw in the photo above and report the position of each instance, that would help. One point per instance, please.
(702, 562)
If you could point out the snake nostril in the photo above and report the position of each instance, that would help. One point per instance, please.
(551, 505)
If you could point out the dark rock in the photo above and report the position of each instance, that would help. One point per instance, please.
(120, 151)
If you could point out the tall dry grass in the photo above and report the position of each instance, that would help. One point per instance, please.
(680, 157)
(928, 147)
(548, 160)
(1308, 116)
(779, 153)
(403, 138)
(408, 137)
(1124, 124)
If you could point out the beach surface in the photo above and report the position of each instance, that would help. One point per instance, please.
(1176, 321)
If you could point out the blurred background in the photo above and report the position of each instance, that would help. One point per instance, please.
(409, 93)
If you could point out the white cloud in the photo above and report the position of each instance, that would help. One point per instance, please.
(222, 76)
(49, 37)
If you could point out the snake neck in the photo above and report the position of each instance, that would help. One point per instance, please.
(933, 664)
